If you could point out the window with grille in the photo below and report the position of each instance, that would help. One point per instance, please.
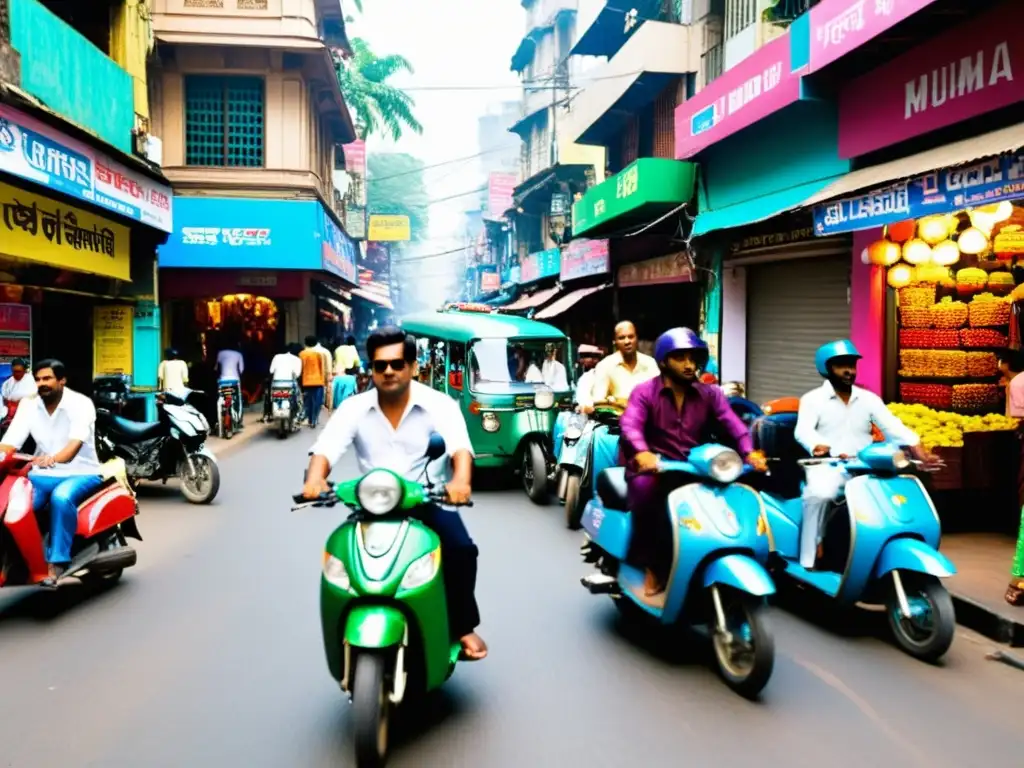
(224, 121)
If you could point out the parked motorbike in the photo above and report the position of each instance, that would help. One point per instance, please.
(283, 415)
(716, 583)
(587, 444)
(382, 600)
(229, 409)
(99, 551)
(172, 446)
(536, 445)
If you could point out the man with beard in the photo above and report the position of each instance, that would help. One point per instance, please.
(666, 418)
(835, 420)
(66, 470)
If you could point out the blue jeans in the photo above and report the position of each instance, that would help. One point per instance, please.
(64, 493)
(313, 398)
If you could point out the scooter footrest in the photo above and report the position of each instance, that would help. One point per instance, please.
(113, 559)
(600, 584)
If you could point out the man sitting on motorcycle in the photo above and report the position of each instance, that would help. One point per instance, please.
(390, 427)
(617, 374)
(835, 420)
(666, 418)
(66, 470)
(588, 357)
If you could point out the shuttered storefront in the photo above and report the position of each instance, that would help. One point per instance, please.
(793, 307)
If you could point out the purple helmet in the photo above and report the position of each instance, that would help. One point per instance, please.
(677, 339)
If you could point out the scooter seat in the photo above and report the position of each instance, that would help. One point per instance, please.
(612, 488)
(135, 431)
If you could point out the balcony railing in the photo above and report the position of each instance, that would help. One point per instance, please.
(713, 62)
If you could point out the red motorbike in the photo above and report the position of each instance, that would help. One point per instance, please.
(99, 552)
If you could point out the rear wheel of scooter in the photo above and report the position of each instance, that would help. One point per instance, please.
(371, 711)
(928, 634)
(201, 486)
(573, 508)
(535, 473)
(283, 428)
(746, 656)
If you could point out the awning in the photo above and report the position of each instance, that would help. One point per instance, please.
(532, 300)
(374, 298)
(758, 209)
(957, 153)
(567, 301)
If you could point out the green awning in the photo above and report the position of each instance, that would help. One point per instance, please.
(758, 209)
(648, 183)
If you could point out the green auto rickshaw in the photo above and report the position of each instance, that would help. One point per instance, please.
(511, 376)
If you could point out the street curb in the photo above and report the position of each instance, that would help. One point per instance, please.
(988, 622)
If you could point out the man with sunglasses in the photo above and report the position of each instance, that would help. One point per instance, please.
(390, 426)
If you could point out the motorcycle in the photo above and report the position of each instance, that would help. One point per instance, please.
(99, 551)
(536, 446)
(588, 446)
(282, 406)
(880, 546)
(716, 584)
(382, 600)
(229, 408)
(172, 446)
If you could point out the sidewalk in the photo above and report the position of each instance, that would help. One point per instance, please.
(251, 429)
(983, 571)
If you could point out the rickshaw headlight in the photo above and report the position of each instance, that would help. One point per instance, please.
(544, 399)
(491, 422)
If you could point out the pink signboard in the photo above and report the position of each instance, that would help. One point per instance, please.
(972, 69)
(758, 86)
(839, 26)
(584, 258)
(355, 157)
(500, 187)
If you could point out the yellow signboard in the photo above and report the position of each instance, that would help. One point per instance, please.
(389, 229)
(112, 339)
(39, 229)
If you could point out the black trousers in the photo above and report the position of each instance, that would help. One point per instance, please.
(458, 557)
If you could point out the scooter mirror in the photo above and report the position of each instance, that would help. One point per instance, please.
(436, 447)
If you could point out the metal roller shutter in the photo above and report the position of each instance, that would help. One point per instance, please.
(793, 307)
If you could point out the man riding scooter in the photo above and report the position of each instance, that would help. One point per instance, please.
(617, 374)
(835, 420)
(588, 357)
(665, 418)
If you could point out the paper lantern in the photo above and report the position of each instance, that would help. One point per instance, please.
(917, 252)
(883, 253)
(997, 211)
(945, 254)
(902, 231)
(899, 276)
(972, 241)
(982, 221)
(933, 229)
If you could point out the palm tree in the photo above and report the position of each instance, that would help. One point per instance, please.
(378, 106)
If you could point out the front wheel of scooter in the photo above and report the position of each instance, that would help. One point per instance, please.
(745, 653)
(929, 631)
(371, 711)
(573, 507)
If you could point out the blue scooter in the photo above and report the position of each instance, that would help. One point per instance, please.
(880, 546)
(716, 583)
(589, 445)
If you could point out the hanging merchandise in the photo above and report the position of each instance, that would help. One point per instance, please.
(901, 231)
(917, 252)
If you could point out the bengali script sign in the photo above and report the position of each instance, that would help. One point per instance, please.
(500, 187)
(840, 26)
(584, 258)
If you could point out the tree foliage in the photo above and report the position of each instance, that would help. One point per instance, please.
(378, 106)
(395, 185)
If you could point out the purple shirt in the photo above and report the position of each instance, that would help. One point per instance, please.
(652, 423)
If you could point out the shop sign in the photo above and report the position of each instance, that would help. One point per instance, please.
(375, 269)
(500, 187)
(944, 191)
(112, 329)
(257, 281)
(972, 69)
(337, 249)
(389, 229)
(663, 270)
(583, 258)
(355, 157)
(539, 265)
(355, 221)
(840, 26)
(39, 229)
(34, 151)
(771, 239)
(760, 85)
(489, 282)
(15, 318)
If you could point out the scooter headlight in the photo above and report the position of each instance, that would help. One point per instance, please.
(573, 433)
(490, 422)
(335, 573)
(726, 466)
(379, 492)
(900, 460)
(422, 570)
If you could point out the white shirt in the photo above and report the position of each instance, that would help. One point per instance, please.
(585, 388)
(14, 390)
(554, 375)
(74, 418)
(285, 366)
(533, 375)
(359, 421)
(328, 361)
(174, 375)
(231, 364)
(845, 428)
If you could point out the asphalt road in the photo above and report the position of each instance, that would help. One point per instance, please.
(209, 653)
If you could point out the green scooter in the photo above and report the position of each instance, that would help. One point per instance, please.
(382, 600)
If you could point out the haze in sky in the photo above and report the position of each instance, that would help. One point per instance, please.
(461, 51)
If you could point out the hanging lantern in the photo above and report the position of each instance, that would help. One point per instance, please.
(899, 276)
(933, 229)
(945, 254)
(902, 231)
(982, 220)
(997, 211)
(883, 253)
(916, 252)
(972, 241)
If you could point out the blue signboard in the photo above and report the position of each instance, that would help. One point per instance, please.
(338, 250)
(243, 234)
(991, 180)
(539, 265)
